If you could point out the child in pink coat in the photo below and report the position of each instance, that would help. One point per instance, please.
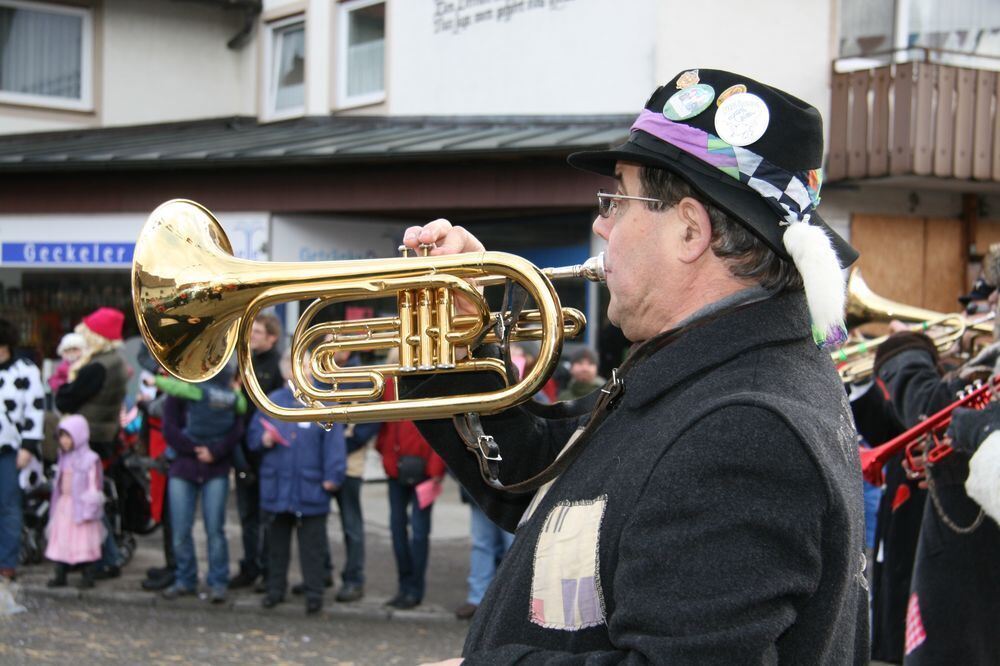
(75, 528)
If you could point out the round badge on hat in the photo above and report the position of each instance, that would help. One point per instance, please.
(729, 92)
(742, 119)
(689, 102)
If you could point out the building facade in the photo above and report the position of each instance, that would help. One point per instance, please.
(319, 129)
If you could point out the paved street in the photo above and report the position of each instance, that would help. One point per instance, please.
(65, 622)
(58, 631)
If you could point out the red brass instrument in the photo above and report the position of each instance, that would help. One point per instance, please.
(873, 460)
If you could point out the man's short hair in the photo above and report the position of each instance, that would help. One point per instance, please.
(583, 354)
(8, 335)
(270, 322)
(746, 255)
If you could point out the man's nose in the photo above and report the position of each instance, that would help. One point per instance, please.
(601, 227)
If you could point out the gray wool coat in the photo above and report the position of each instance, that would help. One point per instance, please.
(714, 517)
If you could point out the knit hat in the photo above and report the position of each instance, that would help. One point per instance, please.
(106, 322)
(756, 153)
(71, 341)
(584, 354)
(903, 341)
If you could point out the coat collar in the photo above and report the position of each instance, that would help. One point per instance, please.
(676, 356)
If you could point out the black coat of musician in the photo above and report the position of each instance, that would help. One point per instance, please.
(715, 516)
(954, 599)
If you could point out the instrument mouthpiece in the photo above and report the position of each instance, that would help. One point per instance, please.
(592, 269)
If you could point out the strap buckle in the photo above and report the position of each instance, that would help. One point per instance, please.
(613, 389)
(488, 448)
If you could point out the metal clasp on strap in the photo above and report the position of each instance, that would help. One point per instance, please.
(488, 448)
(613, 390)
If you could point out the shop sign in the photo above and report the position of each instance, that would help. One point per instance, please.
(67, 254)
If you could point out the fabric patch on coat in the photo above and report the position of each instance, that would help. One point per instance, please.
(915, 634)
(565, 586)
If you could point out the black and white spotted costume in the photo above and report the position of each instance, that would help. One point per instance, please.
(22, 404)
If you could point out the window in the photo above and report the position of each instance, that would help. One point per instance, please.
(285, 60)
(361, 71)
(962, 34)
(45, 55)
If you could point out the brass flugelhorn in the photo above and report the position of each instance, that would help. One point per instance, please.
(855, 361)
(195, 302)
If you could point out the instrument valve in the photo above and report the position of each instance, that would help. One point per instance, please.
(425, 248)
(403, 250)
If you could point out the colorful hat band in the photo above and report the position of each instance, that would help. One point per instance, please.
(792, 195)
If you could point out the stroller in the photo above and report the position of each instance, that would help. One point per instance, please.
(127, 501)
(36, 494)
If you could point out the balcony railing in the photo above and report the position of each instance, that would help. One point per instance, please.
(915, 119)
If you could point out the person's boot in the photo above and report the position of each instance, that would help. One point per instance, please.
(245, 578)
(350, 592)
(89, 572)
(466, 611)
(162, 582)
(105, 573)
(59, 579)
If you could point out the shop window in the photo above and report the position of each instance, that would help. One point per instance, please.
(45, 55)
(285, 64)
(361, 53)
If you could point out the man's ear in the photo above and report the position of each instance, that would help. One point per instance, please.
(696, 227)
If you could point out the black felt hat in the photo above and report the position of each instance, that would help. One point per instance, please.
(981, 290)
(790, 142)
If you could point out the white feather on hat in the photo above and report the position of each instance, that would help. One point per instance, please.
(823, 280)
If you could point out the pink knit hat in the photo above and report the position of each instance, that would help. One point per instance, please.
(106, 322)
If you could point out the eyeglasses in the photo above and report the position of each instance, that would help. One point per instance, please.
(607, 203)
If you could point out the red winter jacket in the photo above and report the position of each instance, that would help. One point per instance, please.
(401, 438)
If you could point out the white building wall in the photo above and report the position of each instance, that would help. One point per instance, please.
(169, 61)
(156, 61)
(493, 57)
(14, 120)
(784, 43)
(165, 61)
(319, 57)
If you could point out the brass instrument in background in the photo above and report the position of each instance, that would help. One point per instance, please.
(195, 302)
(976, 396)
(855, 361)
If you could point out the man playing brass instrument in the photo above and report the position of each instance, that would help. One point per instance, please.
(945, 611)
(709, 506)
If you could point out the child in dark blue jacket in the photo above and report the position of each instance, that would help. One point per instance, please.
(302, 466)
